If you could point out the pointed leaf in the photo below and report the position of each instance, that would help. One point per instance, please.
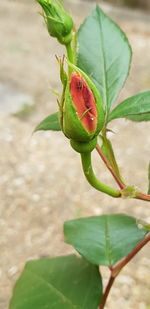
(108, 152)
(104, 54)
(65, 282)
(136, 108)
(49, 123)
(104, 240)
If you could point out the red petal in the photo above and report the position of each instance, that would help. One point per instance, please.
(84, 102)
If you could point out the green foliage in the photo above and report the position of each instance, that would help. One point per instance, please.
(104, 240)
(136, 108)
(108, 152)
(104, 54)
(66, 282)
(49, 123)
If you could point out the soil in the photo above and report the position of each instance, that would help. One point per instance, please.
(41, 181)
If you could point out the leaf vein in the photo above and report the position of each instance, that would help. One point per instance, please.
(53, 288)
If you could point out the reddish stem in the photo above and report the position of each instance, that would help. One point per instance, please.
(142, 196)
(120, 184)
(139, 195)
(107, 291)
(115, 270)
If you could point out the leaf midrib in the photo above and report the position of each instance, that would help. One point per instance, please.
(107, 242)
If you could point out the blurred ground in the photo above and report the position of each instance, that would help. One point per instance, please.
(41, 182)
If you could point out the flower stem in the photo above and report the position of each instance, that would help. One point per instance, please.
(91, 178)
(70, 56)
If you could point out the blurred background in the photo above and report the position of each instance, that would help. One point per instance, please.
(142, 4)
(41, 181)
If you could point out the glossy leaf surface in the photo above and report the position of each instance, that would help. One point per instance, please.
(66, 282)
(108, 152)
(104, 240)
(136, 108)
(49, 123)
(104, 54)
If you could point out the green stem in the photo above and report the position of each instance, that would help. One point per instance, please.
(91, 178)
(70, 56)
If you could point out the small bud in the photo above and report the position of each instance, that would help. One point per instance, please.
(59, 22)
(82, 113)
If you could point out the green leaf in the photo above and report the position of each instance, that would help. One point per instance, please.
(136, 108)
(149, 179)
(49, 123)
(108, 152)
(104, 54)
(66, 282)
(104, 240)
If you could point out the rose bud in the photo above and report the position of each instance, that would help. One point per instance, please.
(59, 23)
(82, 112)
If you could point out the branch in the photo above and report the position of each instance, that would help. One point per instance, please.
(107, 291)
(115, 270)
(120, 184)
(142, 196)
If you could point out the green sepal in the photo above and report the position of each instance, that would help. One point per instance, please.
(72, 126)
(64, 80)
(63, 74)
(59, 23)
(84, 147)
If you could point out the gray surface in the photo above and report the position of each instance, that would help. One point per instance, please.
(41, 182)
(13, 101)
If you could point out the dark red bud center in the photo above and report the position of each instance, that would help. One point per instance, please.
(84, 102)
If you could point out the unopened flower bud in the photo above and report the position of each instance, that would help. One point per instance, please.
(82, 115)
(59, 22)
